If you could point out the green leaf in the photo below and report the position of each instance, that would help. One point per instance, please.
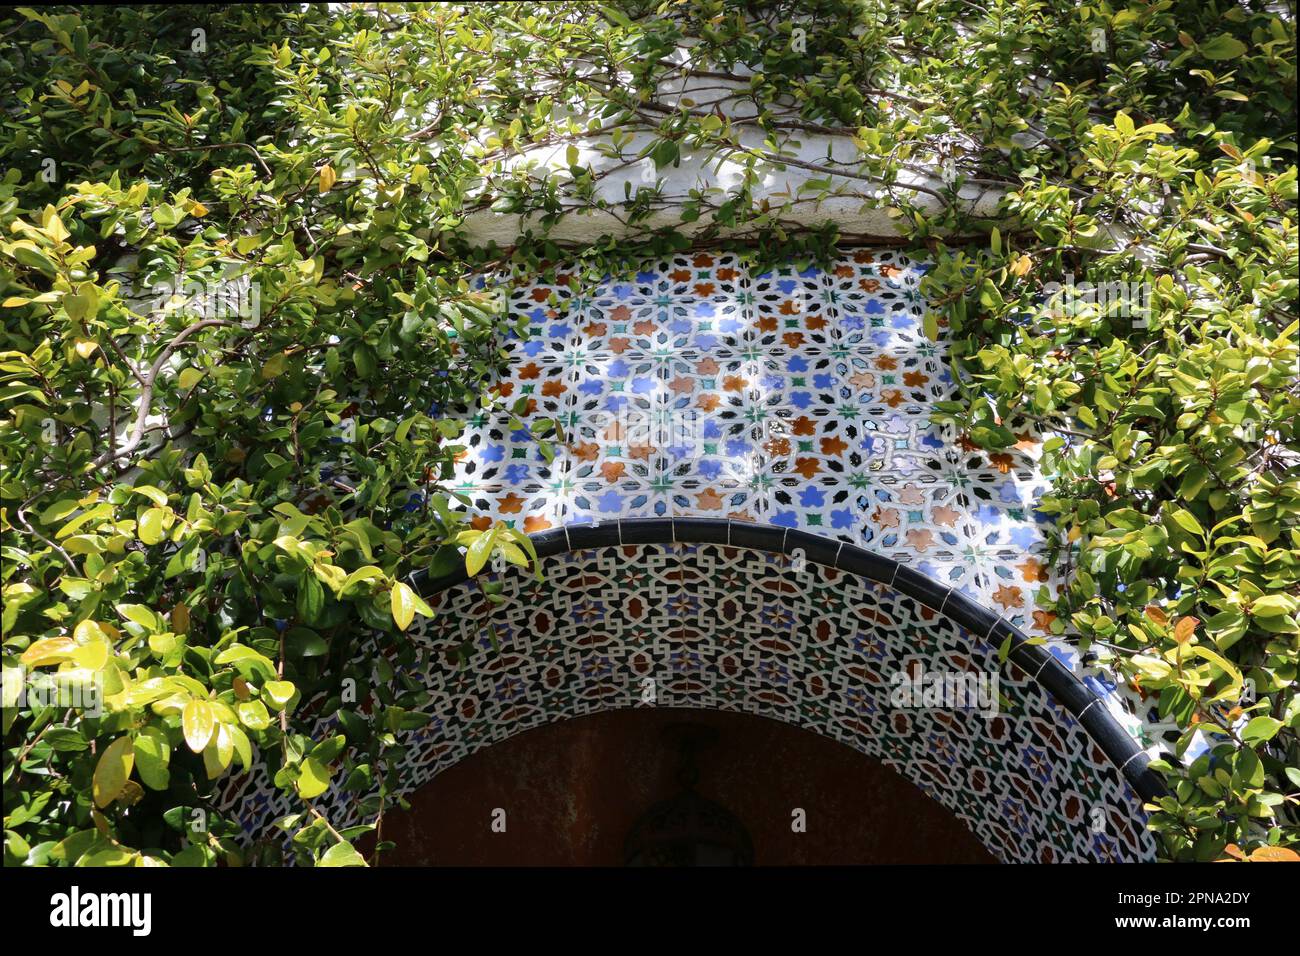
(311, 598)
(1188, 522)
(1217, 659)
(1248, 770)
(279, 692)
(243, 748)
(401, 600)
(341, 854)
(156, 495)
(479, 551)
(274, 366)
(253, 714)
(314, 778)
(327, 751)
(301, 642)
(931, 325)
(1273, 605)
(113, 770)
(1222, 47)
(59, 510)
(197, 724)
(238, 653)
(1260, 730)
(349, 587)
(150, 528)
(30, 256)
(152, 755)
(218, 753)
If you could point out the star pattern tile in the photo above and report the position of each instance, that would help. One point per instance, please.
(798, 397)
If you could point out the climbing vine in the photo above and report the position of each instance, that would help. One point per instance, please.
(241, 335)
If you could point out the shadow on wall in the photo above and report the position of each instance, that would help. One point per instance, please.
(572, 791)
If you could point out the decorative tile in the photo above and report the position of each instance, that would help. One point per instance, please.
(711, 626)
(547, 315)
(496, 454)
(893, 377)
(529, 508)
(535, 388)
(723, 498)
(790, 312)
(827, 507)
(911, 520)
(601, 501)
(877, 301)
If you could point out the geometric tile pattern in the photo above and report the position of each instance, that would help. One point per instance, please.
(801, 399)
(711, 626)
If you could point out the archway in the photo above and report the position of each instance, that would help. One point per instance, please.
(735, 616)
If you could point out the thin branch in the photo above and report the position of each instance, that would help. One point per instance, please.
(146, 392)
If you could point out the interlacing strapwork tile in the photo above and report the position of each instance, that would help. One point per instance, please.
(710, 626)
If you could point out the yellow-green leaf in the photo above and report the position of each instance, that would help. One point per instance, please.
(314, 779)
(279, 692)
(402, 601)
(341, 854)
(91, 656)
(253, 715)
(48, 650)
(152, 755)
(218, 753)
(243, 748)
(197, 723)
(274, 366)
(478, 553)
(112, 770)
(151, 526)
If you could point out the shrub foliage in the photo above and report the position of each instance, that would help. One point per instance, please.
(204, 511)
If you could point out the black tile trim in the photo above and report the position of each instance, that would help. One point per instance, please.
(925, 589)
(984, 624)
(815, 548)
(699, 530)
(1148, 784)
(645, 531)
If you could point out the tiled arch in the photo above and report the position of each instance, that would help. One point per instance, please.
(720, 614)
(779, 623)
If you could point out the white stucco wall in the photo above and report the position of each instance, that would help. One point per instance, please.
(859, 205)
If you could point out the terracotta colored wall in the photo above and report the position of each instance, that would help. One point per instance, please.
(572, 791)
